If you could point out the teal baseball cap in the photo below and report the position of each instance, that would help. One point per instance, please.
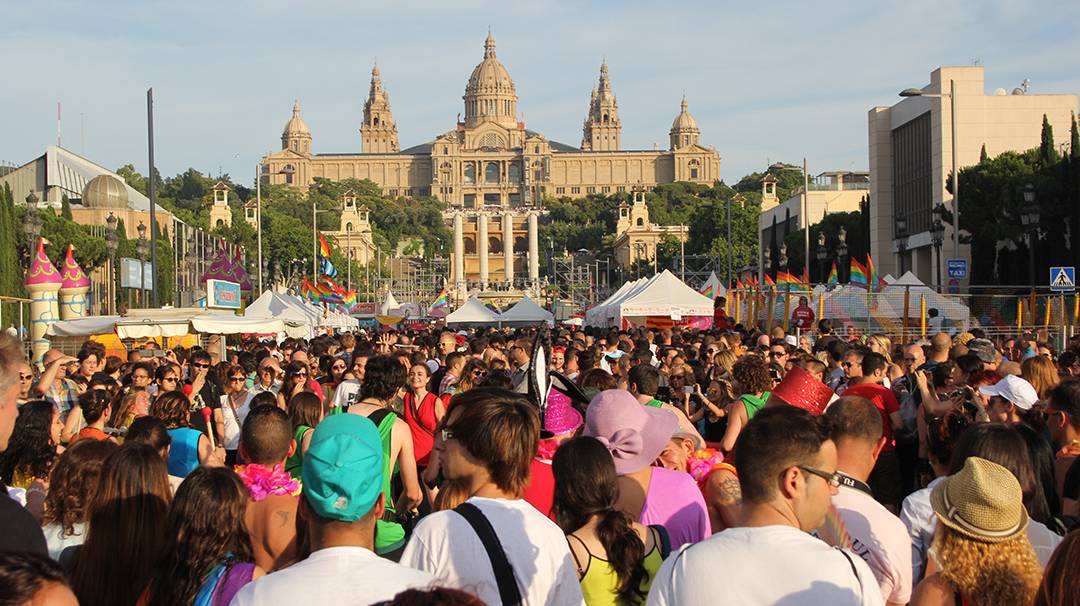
(342, 470)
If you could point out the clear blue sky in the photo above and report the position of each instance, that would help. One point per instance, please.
(766, 81)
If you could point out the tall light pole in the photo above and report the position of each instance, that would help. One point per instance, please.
(111, 242)
(806, 218)
(915, 92)
(937, 232)
(901, 236)
(288, 170)
(1029, 218)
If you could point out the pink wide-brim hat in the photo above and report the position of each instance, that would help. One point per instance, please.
(634, 434)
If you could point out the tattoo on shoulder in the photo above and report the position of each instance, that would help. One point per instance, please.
(284, 515)
(730, 492)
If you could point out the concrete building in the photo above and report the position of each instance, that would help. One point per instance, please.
(636, 238)
(492, 171)
(911, 146)
(830, 192)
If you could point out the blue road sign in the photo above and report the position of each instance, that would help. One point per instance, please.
(958, 268)
(1062, 279)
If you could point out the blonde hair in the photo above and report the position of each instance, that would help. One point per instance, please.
(724, 360)
(883, 343)
(988, 573)
(1041, 373)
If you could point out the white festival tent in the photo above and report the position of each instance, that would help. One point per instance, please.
(718, 287)
(526, 313)
(389, 306)
(662, 295)
(951, 308)
(170, 322)
(288, 308)
(472, 313)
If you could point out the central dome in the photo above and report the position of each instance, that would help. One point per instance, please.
(490, 95)
(105, 191)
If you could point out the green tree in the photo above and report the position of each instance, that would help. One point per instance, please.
(65, 208)
(1074, 139)
(133, 178)
(1048, 154)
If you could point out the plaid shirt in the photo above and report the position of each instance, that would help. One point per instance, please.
(64, 396)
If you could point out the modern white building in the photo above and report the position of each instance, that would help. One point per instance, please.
(911, 149)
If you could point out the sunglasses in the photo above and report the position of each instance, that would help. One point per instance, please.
(302, 373)
(679, 377)
(832, 479)
(198, 365)
(173, 379)
(479, 373)
(237, 378)
(23, 377)
(776, 354)
(265, 369)
(338, 367)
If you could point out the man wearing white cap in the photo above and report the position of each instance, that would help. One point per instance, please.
(1010, 399)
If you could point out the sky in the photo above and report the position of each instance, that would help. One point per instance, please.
(766, 81)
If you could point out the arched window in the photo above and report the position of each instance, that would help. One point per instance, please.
(470, 173)
(521, 244)
(220, 222)
(640, 222)
(470, 246)
(348, 226)
(605, 118)
(375, 120)
(491, 172)
(494, 243)
(515, 172)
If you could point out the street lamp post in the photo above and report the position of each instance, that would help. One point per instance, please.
(901, 236)
(111, 243)
(142, 247)
(841, 252)
(915, 92)
(288, 170)
(31, 224)
(937, 233)
(822, 255)
(1029, 218)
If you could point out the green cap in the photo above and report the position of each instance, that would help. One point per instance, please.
(343, 466)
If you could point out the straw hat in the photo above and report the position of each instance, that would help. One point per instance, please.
(982, 501)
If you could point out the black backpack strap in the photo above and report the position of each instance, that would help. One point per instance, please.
(854, 570)
(665, 540)
(509, 593)
(379, 416)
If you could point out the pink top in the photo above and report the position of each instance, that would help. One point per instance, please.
(73, 275)
(880, 539)
(674, 501)
(42, 271)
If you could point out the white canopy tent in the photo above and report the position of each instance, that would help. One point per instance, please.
(472, 313)
(289, 309)
(526, 313)
(83, 327)
(717, 286)
(662, 295)
(598, 314)
(389, 306)
(951, 308)
(175, 322)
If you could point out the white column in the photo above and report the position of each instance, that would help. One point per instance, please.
(508, 248)
(534, 250)
(482, 247)
(459, 254)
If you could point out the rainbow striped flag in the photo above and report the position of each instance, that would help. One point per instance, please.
(872, 275)
(769, 283)
(787, 281)
(324, 248)
(858, 273)
(440, 301)
(709, 291)
(834, 278)
(739, 284)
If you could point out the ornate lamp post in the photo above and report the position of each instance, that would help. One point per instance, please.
(31, 224)
(111, 242)
(782, 261)
(1029, 218)
(901, 239)
(142, 247)
(937, 237)
(822, 256)
(842, 251)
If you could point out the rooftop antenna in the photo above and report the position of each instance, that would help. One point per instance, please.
(58, 123)
(976, 61)
(1026, 84)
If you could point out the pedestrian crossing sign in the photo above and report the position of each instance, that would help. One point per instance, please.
(1062, 279)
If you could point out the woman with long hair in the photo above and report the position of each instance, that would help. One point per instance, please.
(879, 343)
(980, 552)
(295, 381)
(71, 485)
(616, 557)
(32, 451)
(423, 411)
(472, 375)
(235, 404)
(305, 412)
(1061, 582)
(1041, 372)
(190, 448)
(127, 528)
(208, 556)
(126, 407)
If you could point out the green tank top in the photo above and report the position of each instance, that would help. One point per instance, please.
(295, 463)
(389, 536)
(600, 584)
(753, 403)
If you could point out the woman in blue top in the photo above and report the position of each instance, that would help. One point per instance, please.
(190, 448)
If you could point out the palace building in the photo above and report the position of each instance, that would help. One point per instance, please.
(493, 172)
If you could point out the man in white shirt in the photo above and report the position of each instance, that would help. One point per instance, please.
(488, 440)
(347, 392)
(877, 536)
(787, 472)
(342, 498)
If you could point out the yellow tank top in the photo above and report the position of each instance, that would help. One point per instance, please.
(600, 584)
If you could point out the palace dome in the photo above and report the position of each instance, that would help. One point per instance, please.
(489, 76)
(490, 95)
(684, 121)
(105, 191)
(296, 124)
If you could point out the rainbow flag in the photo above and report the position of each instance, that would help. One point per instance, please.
(769, 283)
(327, 268)
(872, 275)
(806, 277)
(440, 301)
(834, 278)
(324, 248)
(858, 273)
(786, 281)
(739, 284)
(709, 291)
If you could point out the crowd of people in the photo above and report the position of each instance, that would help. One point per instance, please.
(662, 466)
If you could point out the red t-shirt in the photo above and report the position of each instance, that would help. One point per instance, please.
(720, 319)
(540, 491)
(803, 317)
(89, 433)
(421, 421)
(886, 403)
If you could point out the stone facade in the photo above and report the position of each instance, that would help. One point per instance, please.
(636, 238)
(490, 164)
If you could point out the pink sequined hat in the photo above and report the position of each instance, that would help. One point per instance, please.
(42, 271)
(73, 275)
(561, 417)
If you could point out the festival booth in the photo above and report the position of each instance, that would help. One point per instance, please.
(526, 313)
(952, 310)
(290, 309)
(662, 301)
(472, 313)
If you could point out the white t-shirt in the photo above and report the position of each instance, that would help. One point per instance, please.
(234, 420)
(335, 575)
(880, 539)
(57, 541)
(766, 565)
(445, 545)
(346, 394)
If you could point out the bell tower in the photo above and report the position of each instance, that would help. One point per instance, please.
(602, 129)
(378, 135)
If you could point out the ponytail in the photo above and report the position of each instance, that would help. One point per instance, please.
(625, 553)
